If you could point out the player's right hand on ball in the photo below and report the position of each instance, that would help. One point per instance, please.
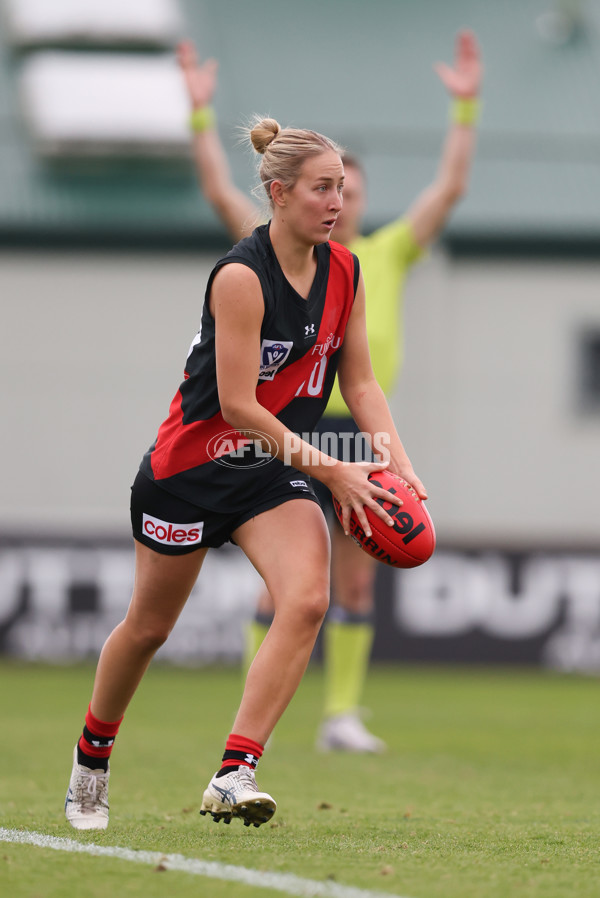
(350, 485)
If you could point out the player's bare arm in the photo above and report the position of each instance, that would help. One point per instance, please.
(363, 395)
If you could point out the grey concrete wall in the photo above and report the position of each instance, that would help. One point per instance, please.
(92, 349)
(489, 399)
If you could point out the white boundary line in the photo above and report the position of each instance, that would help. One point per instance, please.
(279, 882)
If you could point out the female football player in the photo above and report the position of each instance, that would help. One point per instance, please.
(284, 310)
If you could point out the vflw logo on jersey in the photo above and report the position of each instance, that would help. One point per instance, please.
(273, 353)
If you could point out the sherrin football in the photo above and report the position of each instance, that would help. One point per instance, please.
(410, 541)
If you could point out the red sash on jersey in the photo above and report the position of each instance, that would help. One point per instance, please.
(180, 446)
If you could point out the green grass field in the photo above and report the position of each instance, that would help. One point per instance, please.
(490, 789)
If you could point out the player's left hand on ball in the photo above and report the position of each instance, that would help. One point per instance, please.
(407, 473)
(464, 80)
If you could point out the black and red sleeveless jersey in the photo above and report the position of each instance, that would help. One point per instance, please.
(197, 455)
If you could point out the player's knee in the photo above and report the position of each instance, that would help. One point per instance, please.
(151, 635)
(315, 602)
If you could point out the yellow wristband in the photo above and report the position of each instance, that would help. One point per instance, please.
(465, 111)
(202, 119)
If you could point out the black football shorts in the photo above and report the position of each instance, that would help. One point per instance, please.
(173, 526)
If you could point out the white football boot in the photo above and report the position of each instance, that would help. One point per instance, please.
(236, 795)
(347, 732)
(86, 804)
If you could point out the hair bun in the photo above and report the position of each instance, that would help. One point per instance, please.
(263, 133)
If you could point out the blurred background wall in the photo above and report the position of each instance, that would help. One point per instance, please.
(106, 244)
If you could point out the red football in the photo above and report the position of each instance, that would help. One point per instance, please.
(411, 540)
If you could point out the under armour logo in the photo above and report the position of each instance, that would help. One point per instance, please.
(309, 330)
(251, 759)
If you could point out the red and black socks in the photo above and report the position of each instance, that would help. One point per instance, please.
(240, 750)
(96, 742)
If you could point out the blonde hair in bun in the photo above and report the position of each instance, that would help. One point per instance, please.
(263, 133)
(284, 150)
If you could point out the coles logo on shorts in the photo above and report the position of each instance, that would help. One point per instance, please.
(171, 534)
